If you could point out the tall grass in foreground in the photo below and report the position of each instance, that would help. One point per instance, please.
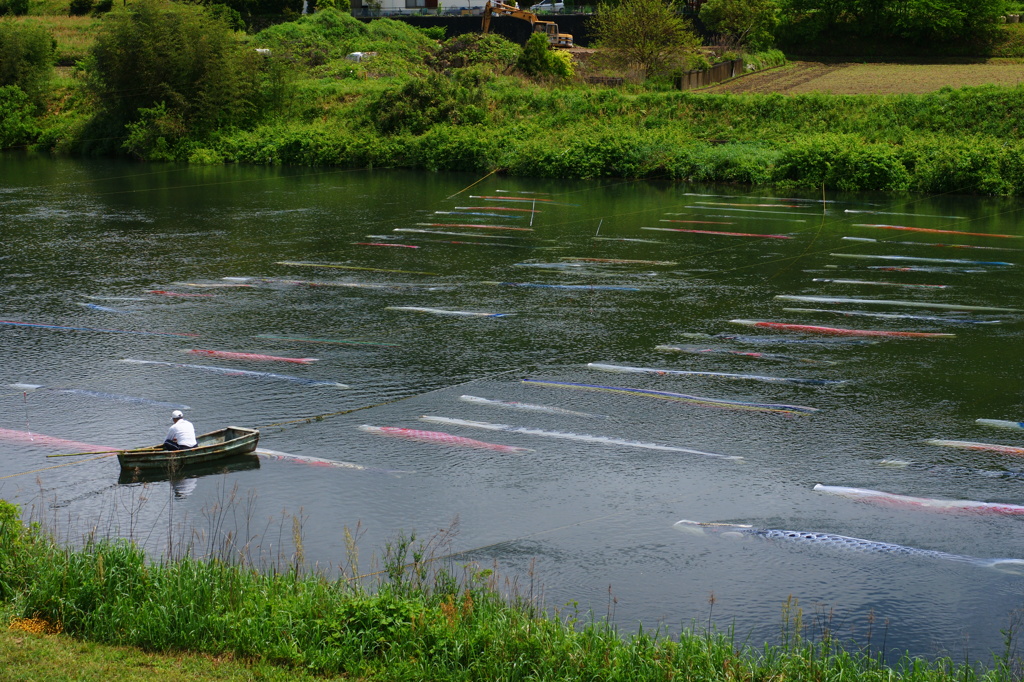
(421, 620)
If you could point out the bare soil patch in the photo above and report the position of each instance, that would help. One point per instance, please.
(872, 79)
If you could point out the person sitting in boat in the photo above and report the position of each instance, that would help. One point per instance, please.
(181, 435)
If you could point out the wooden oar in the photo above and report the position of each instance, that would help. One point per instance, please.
(97, 452)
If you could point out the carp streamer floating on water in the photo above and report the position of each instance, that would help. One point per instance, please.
(682, 397)
(603, 440)
(925, 503)
(846, 543)
(724, 375)
(51, 441)
(836, 331)
(528, 406)
(240, 372)
(228, 355)
(441, 311)
(439, 437)
(905, 304)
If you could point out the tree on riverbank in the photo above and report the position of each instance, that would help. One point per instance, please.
(166, 71)
(649, 35)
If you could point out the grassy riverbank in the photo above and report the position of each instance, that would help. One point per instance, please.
(465, 105)
(423, 618)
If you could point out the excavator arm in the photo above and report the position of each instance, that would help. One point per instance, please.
(549, 28)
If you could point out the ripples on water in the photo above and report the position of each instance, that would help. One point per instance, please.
(596, 517)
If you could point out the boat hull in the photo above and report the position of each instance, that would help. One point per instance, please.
(220, 444)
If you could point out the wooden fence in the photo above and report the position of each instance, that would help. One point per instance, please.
(716, 74)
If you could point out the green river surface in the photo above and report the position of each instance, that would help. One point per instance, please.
(583, 513)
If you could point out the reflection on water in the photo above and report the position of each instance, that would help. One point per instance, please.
(510, 340)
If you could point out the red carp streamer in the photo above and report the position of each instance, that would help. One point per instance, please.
(983, 447)
(479, 227)
(51, 441)
(924, 503)
(439, 437)
(228, 355)
(175, 293)
(697, 222)
(724, 234)
(836, 331)
(934, 231)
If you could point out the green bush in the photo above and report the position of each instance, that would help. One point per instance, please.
(79, 8)
(475, 49)
(26, 58)
(176, 56)
(538, 59)
(422, 103)
(844, 163)
(14, 7)
(12, 533)
(750, 23)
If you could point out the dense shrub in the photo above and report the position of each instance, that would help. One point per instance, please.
(538, 59)
(475, 49)
(890, 26)
(175, 56)
(750, 23)
(14, 7)
(315, 39)
(26, 58)
(845, 163)
(424, 102)
(79, 8)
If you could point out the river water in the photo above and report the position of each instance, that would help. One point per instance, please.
(583, 516)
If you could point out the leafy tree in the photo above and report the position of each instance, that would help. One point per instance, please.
(749, 22)
(26, 58)
(921, 24)
(14, 7)
(177, 59)
(645, 34)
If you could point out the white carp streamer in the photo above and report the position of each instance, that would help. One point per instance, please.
(441, 311)
(528, 406)
(926, 503)
(603, 440)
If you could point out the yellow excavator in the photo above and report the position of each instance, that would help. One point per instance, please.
(550, 28)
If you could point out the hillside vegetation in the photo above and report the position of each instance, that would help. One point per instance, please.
(176, 82)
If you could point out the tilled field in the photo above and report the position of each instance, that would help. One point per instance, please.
(869, 79)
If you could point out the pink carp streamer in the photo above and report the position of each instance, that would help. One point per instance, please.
(439, 437)
(934, 231)
(925, 503)
(228, 355)
(695, 222)
(837, 331)
(719, 233)
(984, 447)
(51, 441)
(479, 227)
(175, 293)
(497, 208)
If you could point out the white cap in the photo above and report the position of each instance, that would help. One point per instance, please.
(176, 414)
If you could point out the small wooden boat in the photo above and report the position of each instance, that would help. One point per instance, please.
(218, 467)
(228, 442)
